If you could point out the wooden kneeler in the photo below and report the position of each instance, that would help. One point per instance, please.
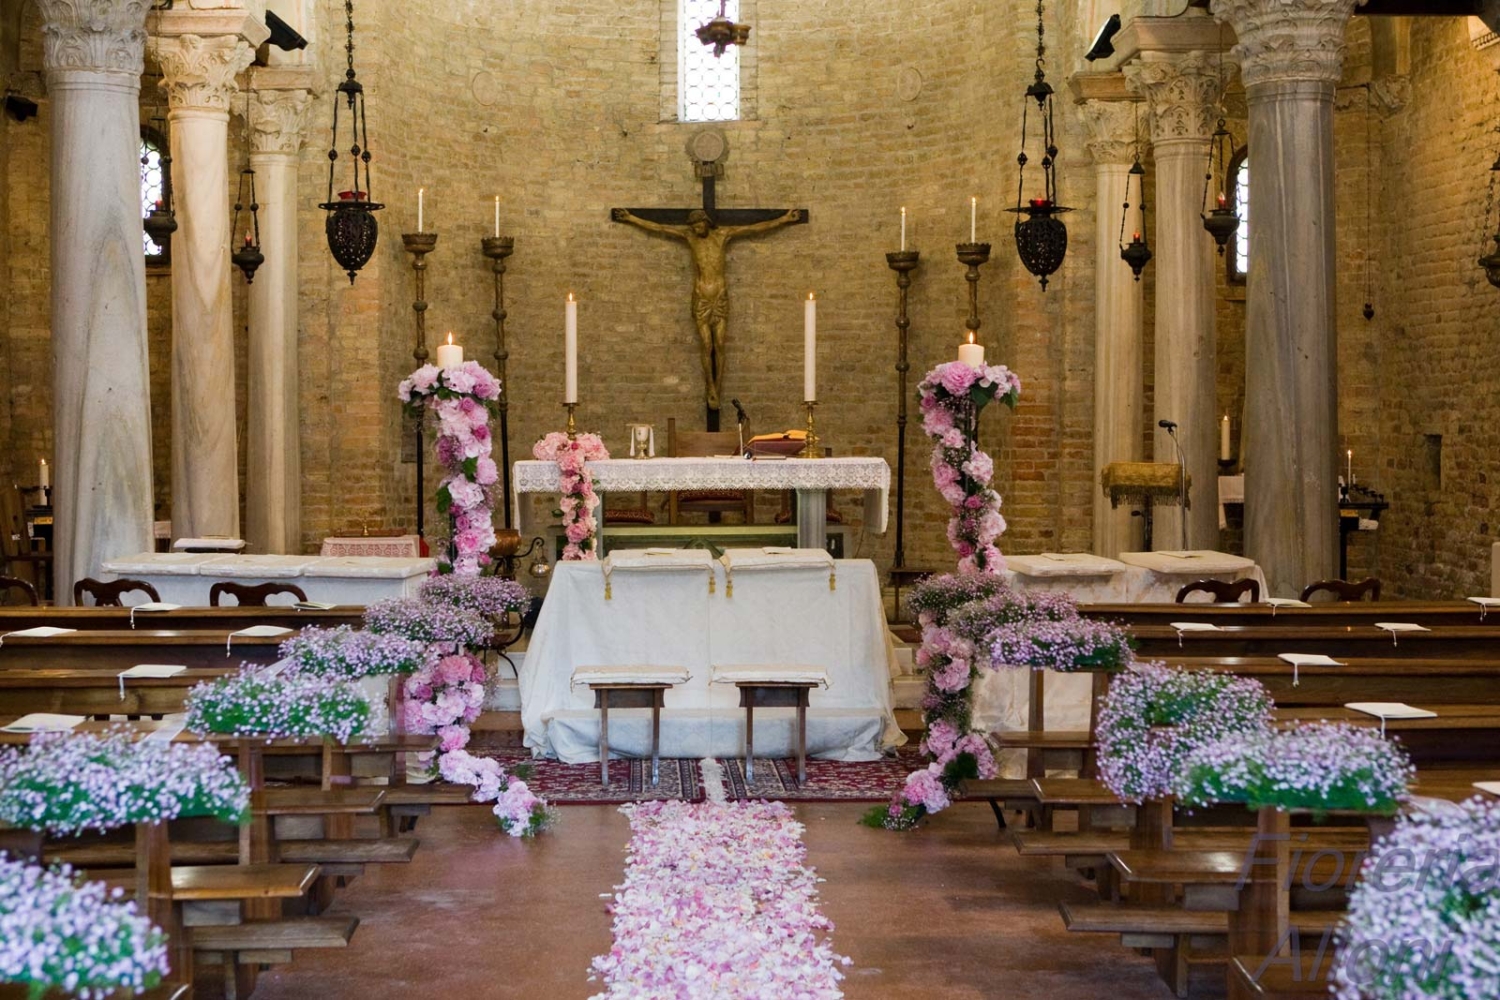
(630, 687)
(773, 687)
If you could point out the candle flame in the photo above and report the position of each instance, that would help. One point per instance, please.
(903, 211)
(421, 191)
(810, 296)
(971, 336)
(973, 202)
(570, 297)
(450, 338)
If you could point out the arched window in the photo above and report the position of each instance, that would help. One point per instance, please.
(1238, 252)
(153, 190)
(708, 86)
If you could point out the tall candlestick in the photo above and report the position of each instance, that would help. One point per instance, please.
(450, 355)
(1224, 439)
(421, 194)
(973, 218)
(810, 349)
(970, 353)
(903, 227)
(497, 215)
(1349, 467)
(44, 475)
(570, 351)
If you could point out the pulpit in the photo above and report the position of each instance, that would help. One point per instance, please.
(1146, 483)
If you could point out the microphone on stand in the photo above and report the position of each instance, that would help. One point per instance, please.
(741, 420)
(1170, 426)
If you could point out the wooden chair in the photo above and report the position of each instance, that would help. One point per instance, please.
(1343, 590)
(698, 444)
(107, 595)
(252, 597)
(637, 513)
(1223, 593)
(8, 583)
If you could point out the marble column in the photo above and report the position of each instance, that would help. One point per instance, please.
(273, 487)
(200, 52)
(101, 410)
(1290, 58)
(1181, 91)
(1118, 349)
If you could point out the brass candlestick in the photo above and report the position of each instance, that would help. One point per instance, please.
(572, 423)
(903, 262)
(419, 245)
(497, 248)
(972, 255)
(811, 448)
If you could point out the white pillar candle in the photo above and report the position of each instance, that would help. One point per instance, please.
(1349, 467)
(450, 355)
(810, 349)
(44, 475)
(570, 351)
(973, 217)
(1224, 438)
(421, 193)
(903, 227)
(970, 353)
(497, 215)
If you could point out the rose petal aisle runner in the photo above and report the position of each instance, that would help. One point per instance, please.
(717, 903)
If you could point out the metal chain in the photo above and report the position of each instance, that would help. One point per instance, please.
(1041, 44)
(349, 26)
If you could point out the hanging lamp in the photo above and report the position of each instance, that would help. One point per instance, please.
(721, 31)
(161, 222)
(1041, 237)
(246, 256)
(350, 226)
(1136, 253)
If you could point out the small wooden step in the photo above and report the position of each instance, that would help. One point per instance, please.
(1106, 918)
(192, 883)
(108, 855)
(1279, 979)
(427, 795)
(166, 991)
(317, 801)
(388, 850)
(277, 935)
(1051, 739)
(999, 788)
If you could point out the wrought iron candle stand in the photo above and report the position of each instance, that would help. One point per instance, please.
(972, 255)
(497, 248)
(903, 262)
(419, 245)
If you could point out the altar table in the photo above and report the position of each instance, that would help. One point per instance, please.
(1134, 578)
(185, 577)
(811, 478)
(774, 616)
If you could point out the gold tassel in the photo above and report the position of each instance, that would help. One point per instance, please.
(711, 584)
(608, 591)
(728, 585)
(833, 580)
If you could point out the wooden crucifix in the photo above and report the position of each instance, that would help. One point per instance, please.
(707, 232)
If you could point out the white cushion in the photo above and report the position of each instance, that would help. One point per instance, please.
(770, 674)
(633, 674)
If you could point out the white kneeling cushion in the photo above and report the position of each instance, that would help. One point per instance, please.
(634, 674)
(771, 674)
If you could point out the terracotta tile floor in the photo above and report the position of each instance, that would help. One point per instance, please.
(947, 911)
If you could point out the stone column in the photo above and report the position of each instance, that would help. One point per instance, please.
(1118, 349)
(200, 52)
(273, 490)
(101, 408)
(1290, 57)
(1181, 90)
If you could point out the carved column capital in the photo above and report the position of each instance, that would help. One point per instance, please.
(1111, 130)
(1283, 42)
(99, 36)
(198, 71)
(278, 120)
(1182, 94)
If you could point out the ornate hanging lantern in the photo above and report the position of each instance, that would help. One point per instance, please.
(721, 32)
(1136, 253)
(246, 256)
(1041, 237)
(351, 227)
(1220, 220)
(160, 223)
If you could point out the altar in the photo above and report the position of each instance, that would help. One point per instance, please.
(810, 478)
(1134, 578)
(185, 577)
(791, 615)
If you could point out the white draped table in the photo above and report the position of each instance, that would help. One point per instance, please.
(811, 478)
(185, 577)
(775, 616)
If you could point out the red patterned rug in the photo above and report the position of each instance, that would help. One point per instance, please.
(630, 780)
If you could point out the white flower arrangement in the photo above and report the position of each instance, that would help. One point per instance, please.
(258, 703)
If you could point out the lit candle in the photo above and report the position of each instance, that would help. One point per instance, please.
(1224, 439)
(973, 217)
(1223, 201)
(44, 475)
(421, 193)
(450, 355)
(570, 351)
(971, 354)
(810, 349)
(903, 227)
(1349, 467)
(497, 215)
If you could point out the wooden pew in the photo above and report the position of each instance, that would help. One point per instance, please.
(1465, 681)
(86, 691)
(116, 650)
(227, 619)
(1429, 613)
(1446, 642)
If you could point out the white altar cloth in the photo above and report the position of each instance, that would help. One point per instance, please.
(671, 619)
(185, 577)
(1143, 577)
(663, 475)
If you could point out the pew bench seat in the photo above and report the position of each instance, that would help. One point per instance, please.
(1251, 978)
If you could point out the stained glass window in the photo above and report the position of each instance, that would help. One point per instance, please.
(708, 86)
(152, 191)
(1239, 261)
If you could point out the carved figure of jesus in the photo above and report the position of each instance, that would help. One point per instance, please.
(707, 242)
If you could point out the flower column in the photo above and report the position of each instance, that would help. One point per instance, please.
(1290, 57)
(200, 51)
(1181, 89)
(1118, 350)
(273, 492)
(101, 407)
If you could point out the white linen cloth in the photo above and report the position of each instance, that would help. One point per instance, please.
(671, 620)
(1192, 562)
(631, 674)
(398, 547)
(1002, 704)
(663, 475)
(776, 557)
(1133, 584)
(184, 578)
(1231, 490)
(1069, 564)
(770, 674)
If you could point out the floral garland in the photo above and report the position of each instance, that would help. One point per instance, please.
(71, 782)
(463, 398)
(344, 652)
(577, 499)
(256, 702)
(1322, 767)
(520, 811)
(57, 931)
(422, 621)
(952, 396)
(1424, 923)
(443, 697)
(490, 596)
